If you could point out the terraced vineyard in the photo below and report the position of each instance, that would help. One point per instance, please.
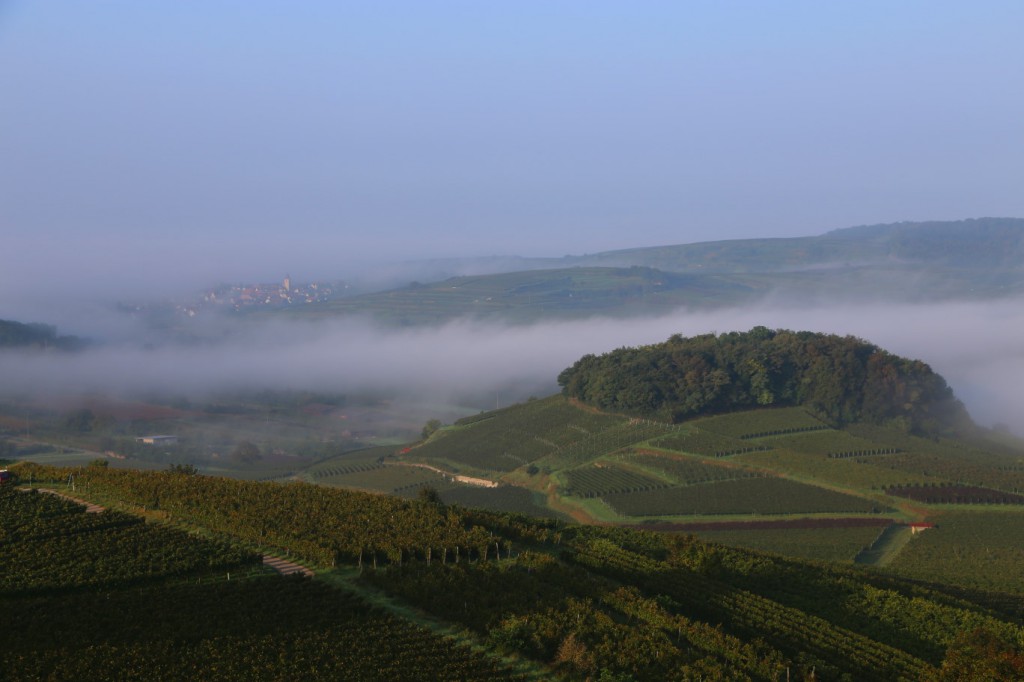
(983, 549)
(688, 471)
(604, 479)
(572, 601)
(839, 545)
(744, 496)
(825, 442)
(344, 470)
(50, 544)
(261, 629)
(707, 443)
(507, 498)
(105, 596)
(760, 423)
(955, 494)
(960, 470)
(780, 625)
(520, 435)
(388, 479)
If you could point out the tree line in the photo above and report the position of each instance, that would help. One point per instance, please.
(840, 379)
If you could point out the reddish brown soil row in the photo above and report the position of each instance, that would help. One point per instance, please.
(781, 524)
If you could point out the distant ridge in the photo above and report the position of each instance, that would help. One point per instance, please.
(971, 242)
(973, 259)
(967, 241)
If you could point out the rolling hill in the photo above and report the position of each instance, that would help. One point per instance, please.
(908, 262)
(803, 476)
(800, 540)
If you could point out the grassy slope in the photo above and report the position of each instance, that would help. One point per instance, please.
(907, 262)
(561, 445)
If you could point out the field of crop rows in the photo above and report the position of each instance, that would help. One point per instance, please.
(823, 442)
(956, 471)
(955, 494)
(505, 498)
(744, 424)
(707, 443)
(389, 479)
(743, 496)
(823, 544)
(687, 470)
(976, 548)
(604, 479)
(50, 544)
(533, 430)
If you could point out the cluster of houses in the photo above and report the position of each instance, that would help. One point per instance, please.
(285, 293)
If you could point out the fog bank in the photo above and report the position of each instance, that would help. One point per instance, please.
(976, 347)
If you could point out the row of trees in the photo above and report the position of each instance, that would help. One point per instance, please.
(18, 334)
(841, 379)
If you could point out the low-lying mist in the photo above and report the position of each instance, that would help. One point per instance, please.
(975, 346)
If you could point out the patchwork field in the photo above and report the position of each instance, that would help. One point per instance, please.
(983, 549)
(764, 496)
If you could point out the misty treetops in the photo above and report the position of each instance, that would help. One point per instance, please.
(840, 379)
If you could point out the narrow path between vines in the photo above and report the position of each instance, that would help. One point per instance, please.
(90, 508)
(886, 546)
(347, 579)
(282, 566)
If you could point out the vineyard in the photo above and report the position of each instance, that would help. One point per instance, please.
(49, 544)
(788, 629)
(983, 549)
(578, 602)
(823, 442)
(742, 496)
(551, 429)
(960, 470)
(605, 479)
(955, 494)
(259, 629)
(508, 499)
(688, 471)
(388, 479)
(838, 545)
(707, 443)
(758, 423)
(320, 525)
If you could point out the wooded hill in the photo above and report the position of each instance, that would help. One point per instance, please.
(840, 379)
(20, 335)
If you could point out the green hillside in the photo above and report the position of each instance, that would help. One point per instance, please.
(982, 243)
(414, 589)
(534, 294)
(850, 444)
(910, 262)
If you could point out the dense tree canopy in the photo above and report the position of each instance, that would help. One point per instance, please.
(841, 379)
(17, 334)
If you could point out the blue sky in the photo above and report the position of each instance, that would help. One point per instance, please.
(165, 143)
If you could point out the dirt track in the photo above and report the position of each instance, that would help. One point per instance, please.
(280, 565)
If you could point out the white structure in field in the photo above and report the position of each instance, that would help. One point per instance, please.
(157, 440)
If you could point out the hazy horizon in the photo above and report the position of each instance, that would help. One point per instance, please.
(150, 149)
(157, 146)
